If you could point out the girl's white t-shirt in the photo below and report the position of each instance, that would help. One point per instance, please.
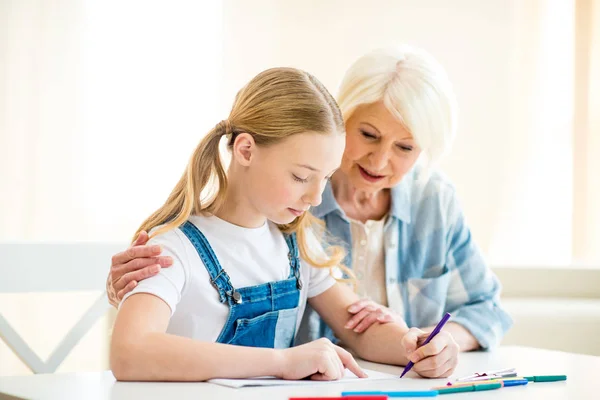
(250, 256)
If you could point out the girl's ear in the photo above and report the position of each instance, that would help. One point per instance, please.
(243, 149)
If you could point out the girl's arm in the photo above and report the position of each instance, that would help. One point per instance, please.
(142, 351)
(367, 312)
(379, 343)
(389, 343)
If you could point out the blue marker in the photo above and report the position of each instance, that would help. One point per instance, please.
(514, 382)
(423, 393)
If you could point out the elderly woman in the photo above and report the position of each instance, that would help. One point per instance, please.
(409, 247)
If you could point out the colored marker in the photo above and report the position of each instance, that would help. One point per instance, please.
(487, 378)
(470, 388)
(435, 331)
(546, 378)
(514, 382)
(341, 398)
(490, 380)
(461, 384)
(481, 376)
(421, 393)
(511, 378)
(504, 382)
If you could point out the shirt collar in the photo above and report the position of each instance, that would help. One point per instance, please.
(400, 207)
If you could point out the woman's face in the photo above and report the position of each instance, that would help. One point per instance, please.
(379, 150)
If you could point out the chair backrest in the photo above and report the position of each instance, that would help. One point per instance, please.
(54, 267)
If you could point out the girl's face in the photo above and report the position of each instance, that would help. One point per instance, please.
(285, 179)
(379, 149)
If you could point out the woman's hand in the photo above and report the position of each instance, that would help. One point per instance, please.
(367, 312)
(135, 264)
(320, 359)
(437, 359)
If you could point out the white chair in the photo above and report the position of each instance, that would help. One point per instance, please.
(54, 267)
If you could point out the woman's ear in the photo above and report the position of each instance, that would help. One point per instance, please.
(243, 149)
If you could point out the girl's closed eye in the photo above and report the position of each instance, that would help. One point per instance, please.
(298, 179)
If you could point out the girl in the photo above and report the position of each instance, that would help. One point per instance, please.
(246, 258)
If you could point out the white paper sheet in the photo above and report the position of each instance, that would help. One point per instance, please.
(272, 381)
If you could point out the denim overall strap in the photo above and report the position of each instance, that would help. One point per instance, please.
(218, 277)
(294, 257)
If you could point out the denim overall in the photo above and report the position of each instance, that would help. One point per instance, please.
(259, 316)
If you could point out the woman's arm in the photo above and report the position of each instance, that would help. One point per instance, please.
(141, 351)
(473, 297)
(465, 340)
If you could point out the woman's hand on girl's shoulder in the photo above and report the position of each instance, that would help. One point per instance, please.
(133, 265)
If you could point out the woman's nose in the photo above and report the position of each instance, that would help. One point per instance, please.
(379, 159)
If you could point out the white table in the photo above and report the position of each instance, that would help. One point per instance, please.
(582, 374)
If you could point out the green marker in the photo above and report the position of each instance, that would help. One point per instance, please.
(546, 378)
(470, 388)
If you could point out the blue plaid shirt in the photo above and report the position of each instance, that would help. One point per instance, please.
(432, 265)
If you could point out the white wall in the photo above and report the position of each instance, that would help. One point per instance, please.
(113, 113)
(511, 161)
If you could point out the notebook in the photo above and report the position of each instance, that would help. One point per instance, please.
(272, 381)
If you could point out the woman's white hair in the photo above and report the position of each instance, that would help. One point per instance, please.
(413, 86)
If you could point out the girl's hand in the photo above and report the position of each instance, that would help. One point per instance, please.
(437, 359)
(320, 360)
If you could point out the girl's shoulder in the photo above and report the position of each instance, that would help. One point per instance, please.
(172, 239)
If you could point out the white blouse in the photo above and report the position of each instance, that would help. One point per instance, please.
(368, 259)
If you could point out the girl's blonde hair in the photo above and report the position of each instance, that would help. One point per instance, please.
(413, 86)
(276, 104)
